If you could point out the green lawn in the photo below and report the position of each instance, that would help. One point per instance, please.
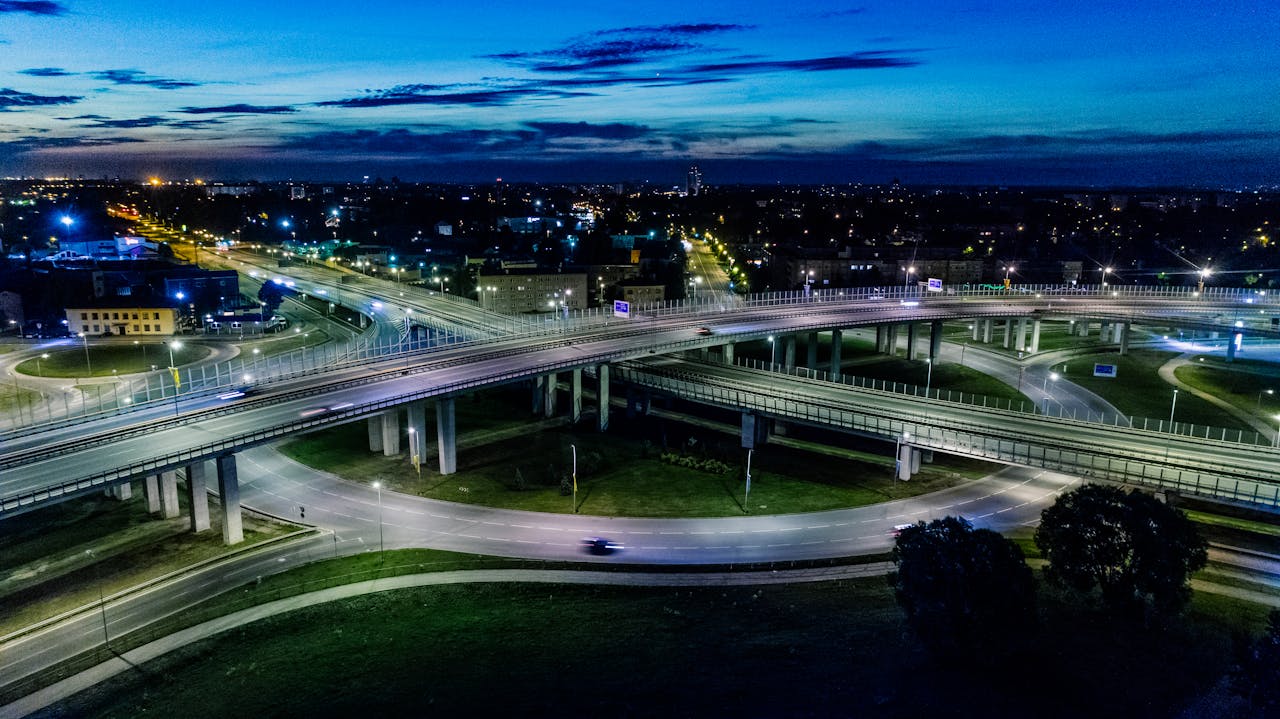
(19, 401)
(1138, 391)
(620, 473)
(1250, 385)
(122, 356)
(824, 649)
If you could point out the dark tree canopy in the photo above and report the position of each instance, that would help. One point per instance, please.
(1136, 550)
(1257, 678)
(963, 589)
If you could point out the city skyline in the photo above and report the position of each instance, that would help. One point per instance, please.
(1144, 95)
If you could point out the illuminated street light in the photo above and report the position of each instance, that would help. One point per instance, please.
(87, 364)
(43, 356)
(381, 545)
(1265, 391)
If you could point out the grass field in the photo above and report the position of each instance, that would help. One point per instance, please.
(1250, 385)
(104, 357)
(620, 473)
(825, 649)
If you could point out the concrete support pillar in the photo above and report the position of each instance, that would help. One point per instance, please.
(575, 395)
(1123, 330)
(726, 351)
(1022, 333)
(1035, 336)
(891, 345)
(417, 418)
(539, 395)
(789, 352)
(988, 329)
(375, 434)
(446, 435)
(882, 333)
(198, 496)
(904, 461)
(811, 351)
(549, 402)
(1104, 332)
(169, 494)
(913, 329)
(151, 491)
(976, 330)
(935, 340)
(390, 432)
(837, 344)
(229, 491)
(1008, 332)
(602, 395)
(1083, 327)
(1232, 340)
(915, 460)
(120, 492)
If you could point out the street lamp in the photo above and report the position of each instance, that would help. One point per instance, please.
(928, 381)
(574, 449)
(173, 370)
(413, 451)
(102, 602)
(907, 272)
(1265, 391)
(1203, 274)
(1105, 271)
(746, 497)
(1051, 376)
(88, 365)
(1007, 270)
(381, 545)
(1277, 419)
(43, 356)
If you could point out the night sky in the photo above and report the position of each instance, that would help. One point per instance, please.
(1028, 92)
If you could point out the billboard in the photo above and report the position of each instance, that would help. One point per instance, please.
(621, 308)
(935, 285)
(1104, 370)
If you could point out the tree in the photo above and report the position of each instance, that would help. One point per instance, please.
(962, 589)
(1257, 678)
(271, 295)
(1136, 550)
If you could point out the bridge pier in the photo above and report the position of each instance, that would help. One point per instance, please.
(120, 492)
(975, 330)
(390, 432)
(811, 351)
(229, 492)
(882, 342)
(908, 461)
(602, 395)
(446, 435)
(1232, 340)
(1123, 330)
(789, 352)
(374, 425)
(935, 340)
(1008, 332)
(988, 330)
(837, 344)
(151, 492)
(1083, 327)
(162, 489)
(1022, 334)
(549, 403)
(726, 352)
(912, 331)
(575, 395)
(891, 341)
(1035, 337)
(539, 395)
(197, 497)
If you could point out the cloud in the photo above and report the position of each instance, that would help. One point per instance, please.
(609, 131)
(416, 95)
(619, 47)
(137, 77)
(46, 72)
(853, 61)
(239, 109)
(32, 7)
(129, 123)
(13, 98)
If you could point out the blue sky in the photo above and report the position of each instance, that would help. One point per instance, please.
(1142, 93)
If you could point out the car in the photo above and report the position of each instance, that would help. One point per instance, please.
(704, 331)
(237, 393)
(898, 529)
(600, 546)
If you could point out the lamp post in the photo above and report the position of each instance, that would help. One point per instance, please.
(413, 451)
(1277, 442)
(102, 602)
(928, 381)
(746, 497)
(1260, 393)
(1203, 274)
(88, 365)
(574, 448)
(1007, 270)
(906, 279)
(173, 370)
(1105, 271)
(1044, 387)
(1172, 407)
(381, 545)
(43, 356)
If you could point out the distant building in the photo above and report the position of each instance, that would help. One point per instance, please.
(520, 291)
(693, 182)
(642, 295)
(122, 320)
(297, 192)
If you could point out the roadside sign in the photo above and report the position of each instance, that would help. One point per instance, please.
(935, 285)
(1104, 370)
(621, 308)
